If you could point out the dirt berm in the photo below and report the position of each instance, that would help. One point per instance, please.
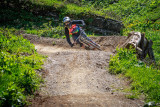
(76, 77)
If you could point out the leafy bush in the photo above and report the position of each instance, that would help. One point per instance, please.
(18, 63)
(127, 59)
(13, 96)
(55, 32)
(145, 79)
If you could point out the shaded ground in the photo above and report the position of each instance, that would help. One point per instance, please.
(79, 78)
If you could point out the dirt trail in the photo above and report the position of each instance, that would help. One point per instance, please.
(78, 77)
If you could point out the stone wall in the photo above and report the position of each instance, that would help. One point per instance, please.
(104, 26)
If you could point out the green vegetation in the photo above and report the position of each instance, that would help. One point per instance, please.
(19, 58)
(24, 20)
(137, 15)
(67, 8)
(144, 79)
(48, 31)
(18, 63)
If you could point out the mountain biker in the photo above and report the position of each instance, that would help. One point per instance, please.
(72, 28)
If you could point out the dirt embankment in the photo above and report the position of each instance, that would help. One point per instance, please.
(79, 78)
(107, 43)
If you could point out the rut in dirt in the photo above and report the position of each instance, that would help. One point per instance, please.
(78, 77)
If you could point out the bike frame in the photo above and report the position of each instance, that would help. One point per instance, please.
(84, 39)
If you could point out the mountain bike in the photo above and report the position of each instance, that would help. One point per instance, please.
(87, 41)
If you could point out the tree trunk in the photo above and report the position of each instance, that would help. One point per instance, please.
(141, 44)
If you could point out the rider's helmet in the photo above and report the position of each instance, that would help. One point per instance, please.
(67, 21)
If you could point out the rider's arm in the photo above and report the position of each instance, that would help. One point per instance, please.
(79, 22)
(67, 36)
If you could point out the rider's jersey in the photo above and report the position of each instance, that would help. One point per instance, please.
(74, 30)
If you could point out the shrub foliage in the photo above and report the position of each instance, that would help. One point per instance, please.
(145, 79)
(18, 62)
